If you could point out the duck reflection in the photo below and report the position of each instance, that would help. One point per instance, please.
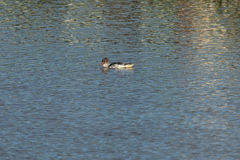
(117, 69)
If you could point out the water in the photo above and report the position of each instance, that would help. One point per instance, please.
(180, 101)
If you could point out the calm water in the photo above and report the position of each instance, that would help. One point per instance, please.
(180, 101)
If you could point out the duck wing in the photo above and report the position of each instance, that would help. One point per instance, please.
(115, 64)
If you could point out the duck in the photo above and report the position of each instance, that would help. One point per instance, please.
(106, 64)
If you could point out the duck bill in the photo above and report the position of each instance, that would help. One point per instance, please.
(101, 64)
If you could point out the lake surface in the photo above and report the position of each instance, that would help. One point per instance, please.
(181, 100)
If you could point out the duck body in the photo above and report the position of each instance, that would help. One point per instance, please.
(107, 64)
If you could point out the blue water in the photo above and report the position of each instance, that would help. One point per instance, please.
(180, 101)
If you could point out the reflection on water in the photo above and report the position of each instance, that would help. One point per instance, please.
(116, 69)
(181, 97)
